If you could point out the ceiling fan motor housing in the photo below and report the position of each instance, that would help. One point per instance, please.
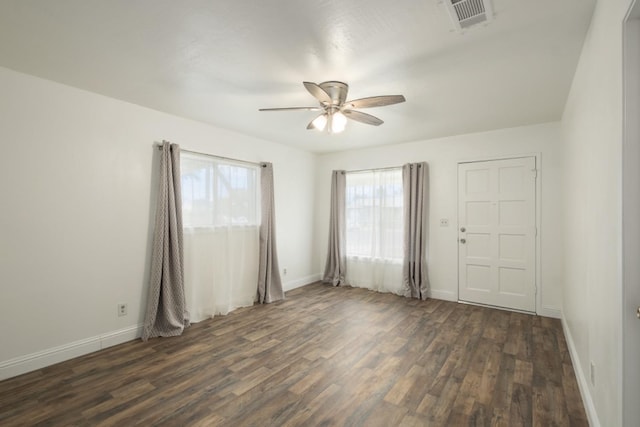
(336, 90)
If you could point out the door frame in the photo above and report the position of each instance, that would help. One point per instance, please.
(630, 232)
(540, 309)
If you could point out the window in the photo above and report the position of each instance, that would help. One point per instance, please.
(218, 192)
(373, 208)
(220, 205)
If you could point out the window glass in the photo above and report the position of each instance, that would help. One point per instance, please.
(374, 214)
(218, 192)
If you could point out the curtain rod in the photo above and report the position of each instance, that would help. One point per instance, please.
(373, 169)
(217, 157)
(381, 169)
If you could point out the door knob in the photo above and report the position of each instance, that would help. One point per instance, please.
(638, 312)
(463, 241)
(462, 229)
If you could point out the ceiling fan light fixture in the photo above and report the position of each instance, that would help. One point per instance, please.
(320, 122)
(338, 122)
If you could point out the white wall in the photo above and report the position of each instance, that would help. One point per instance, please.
(592, 134)
(77, 178)
(442, 155)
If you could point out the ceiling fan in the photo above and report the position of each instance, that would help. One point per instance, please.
(335, 109)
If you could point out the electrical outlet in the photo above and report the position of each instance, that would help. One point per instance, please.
(284, 271)
(592, 373)
(122, 309)
(444, 222)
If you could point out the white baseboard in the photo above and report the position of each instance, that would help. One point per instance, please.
(31, 362)
(443, 295)
(293, 284)
(120, 336)
(550, 312)
(583, 384)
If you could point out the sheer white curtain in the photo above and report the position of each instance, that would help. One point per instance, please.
(220, 201)
(374, 238)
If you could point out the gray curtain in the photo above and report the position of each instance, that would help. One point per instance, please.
(166, 313)
(269, 281)
(414, 269)
(335, 269)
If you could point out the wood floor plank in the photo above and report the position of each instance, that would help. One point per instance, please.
(501, 402)
(385, 414)
(521, 413)
(325, 356)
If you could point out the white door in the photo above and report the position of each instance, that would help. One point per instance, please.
(496, 233)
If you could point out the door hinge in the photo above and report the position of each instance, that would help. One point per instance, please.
(535, 172)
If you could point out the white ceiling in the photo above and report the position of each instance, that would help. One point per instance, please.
(218, 61)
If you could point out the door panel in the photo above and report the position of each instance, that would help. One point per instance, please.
(496, 218)
(479, 278)
(477, 246)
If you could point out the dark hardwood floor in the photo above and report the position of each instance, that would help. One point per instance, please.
(323, 357)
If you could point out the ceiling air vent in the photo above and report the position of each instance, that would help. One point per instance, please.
(466, 13)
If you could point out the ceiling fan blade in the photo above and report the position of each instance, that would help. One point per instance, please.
(361, 117)
(375, 101)
(292, 109)
(317, 92)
